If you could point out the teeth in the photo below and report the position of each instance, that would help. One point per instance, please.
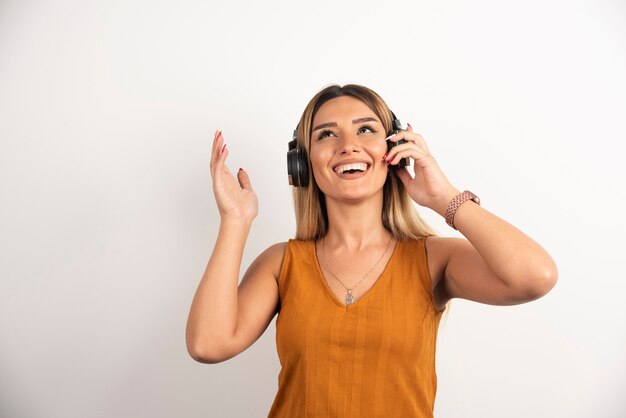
(353, 166)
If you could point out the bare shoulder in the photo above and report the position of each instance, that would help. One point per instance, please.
(272, 258)
(438, 250)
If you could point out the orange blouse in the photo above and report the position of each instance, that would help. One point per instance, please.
(374, 358)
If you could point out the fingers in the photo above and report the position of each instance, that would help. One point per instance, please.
(414, 148)
(244, 179)
(218, 153)
(217, 139)
(408, 150)
(410, 136)
(394, 158)
(218, 162)
(214, 153)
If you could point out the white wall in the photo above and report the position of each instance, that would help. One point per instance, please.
(107, 219)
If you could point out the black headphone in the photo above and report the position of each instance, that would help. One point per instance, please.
(298, 163)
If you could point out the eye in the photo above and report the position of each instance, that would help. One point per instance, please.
(324, 134)
(368, 127)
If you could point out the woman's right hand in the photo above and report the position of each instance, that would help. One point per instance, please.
(235, 198)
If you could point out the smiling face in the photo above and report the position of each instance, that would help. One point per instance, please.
(347, 146)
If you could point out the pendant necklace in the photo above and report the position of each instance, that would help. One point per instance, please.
(349, 298)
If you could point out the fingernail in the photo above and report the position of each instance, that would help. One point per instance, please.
(240, 169)
(385, 156)
(390, 136)
(224, 146)
(409, 125)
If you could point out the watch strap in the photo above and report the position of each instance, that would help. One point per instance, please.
(456, 202)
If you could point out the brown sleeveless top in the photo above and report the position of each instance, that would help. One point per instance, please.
(374, 358)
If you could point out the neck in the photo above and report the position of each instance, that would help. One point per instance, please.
(356, 225)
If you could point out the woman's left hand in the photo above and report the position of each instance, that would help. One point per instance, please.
(430, 187)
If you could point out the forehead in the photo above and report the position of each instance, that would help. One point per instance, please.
(344, 107)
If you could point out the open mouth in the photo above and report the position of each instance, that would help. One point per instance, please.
(351, 168)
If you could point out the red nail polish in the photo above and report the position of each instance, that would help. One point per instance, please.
(224, 146)
(409, 125)
(240, 169)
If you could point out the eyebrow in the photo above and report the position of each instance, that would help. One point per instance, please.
(354, 121)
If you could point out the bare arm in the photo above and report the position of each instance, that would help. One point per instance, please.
(214, 317)
(498, 264)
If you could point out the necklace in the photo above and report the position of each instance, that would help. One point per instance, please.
(349, 298)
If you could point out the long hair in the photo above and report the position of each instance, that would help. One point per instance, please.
(399, 216)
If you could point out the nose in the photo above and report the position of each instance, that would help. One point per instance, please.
(349, 144)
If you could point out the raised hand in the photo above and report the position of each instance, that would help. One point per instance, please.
(234, 196)
(430, 187)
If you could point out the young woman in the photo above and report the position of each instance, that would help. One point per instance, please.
(360, 290)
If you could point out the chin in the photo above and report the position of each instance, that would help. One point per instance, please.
(354, 195)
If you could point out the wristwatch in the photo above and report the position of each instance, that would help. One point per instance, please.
(456, 202)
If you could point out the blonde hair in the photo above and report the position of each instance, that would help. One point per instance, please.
(399, 215)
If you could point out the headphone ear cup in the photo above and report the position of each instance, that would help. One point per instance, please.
(297, 167)
(303, 168)
(404, 162)
(396, 127)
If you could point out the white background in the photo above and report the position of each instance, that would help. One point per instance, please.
(107, 218)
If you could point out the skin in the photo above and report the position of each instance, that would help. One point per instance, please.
(495, 264)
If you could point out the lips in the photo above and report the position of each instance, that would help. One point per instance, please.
(351, 167)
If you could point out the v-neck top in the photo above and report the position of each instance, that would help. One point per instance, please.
(332, 294)
(373, 358)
